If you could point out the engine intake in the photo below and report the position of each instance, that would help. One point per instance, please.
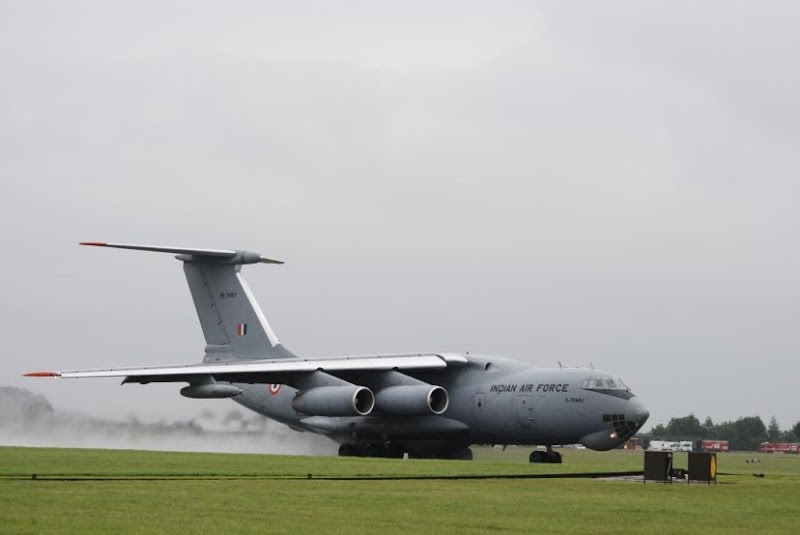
(409, 400)
(335, 401)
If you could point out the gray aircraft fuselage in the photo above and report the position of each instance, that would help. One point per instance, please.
(498, 401)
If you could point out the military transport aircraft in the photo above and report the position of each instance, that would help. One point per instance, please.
(420, 404)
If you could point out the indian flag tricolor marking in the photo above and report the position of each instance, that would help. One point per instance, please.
(241, 329)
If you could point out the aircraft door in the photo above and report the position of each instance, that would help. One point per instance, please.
(526, 414)
(480, 403)
(479, 408)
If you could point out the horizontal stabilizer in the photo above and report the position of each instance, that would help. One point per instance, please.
(243, 257)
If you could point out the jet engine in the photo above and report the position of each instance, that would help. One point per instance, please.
(335, 401)
(410, 400)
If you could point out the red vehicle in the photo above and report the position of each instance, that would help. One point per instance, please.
(779, 447)
(715, 445)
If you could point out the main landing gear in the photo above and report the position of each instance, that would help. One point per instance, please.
(371, 449)
(393, 451)
(460, 454)
(549, 456)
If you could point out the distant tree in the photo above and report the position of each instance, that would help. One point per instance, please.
(774, 430)
(752, 432)
(708, 427)
(796, 429)
(743, 434)
(725, 431)
(687, 427)
(658, 431)
(789, 436)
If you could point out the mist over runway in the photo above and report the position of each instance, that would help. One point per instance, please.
(28, 419)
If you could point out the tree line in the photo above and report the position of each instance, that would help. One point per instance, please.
(745, 433)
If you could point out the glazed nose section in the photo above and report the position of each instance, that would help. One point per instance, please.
(635, 411)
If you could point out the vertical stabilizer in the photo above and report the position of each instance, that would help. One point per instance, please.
(233, 324)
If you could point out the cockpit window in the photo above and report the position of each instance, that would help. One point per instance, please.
(604, 383)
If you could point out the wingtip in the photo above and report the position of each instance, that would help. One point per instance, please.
(265, 260)
(94, 243)
(42, 374)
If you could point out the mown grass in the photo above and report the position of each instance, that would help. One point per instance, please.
(129, 463)
(740, 504)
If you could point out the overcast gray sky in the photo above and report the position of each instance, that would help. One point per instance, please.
(612, 183)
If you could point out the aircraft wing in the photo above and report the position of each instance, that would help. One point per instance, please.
(267, 371)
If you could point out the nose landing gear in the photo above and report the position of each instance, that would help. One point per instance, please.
(549, 456)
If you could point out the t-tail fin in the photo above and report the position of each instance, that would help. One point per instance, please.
(233, 324)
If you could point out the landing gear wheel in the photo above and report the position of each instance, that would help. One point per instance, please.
(374, 450)
(549, 456)
(464, 454)
(393, 451)
(346, 450)
(553, 457)
(537, 456)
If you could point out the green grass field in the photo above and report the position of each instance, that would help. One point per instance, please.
(104, 491)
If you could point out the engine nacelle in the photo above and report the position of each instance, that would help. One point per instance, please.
(335, 401)
(210, 391)
(412, 400)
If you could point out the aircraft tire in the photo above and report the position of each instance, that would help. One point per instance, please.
(464, 454)
(393, 451)
(538, 456)
(346, 450)
(373, 450)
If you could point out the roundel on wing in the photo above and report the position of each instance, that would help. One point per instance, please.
(274, 389)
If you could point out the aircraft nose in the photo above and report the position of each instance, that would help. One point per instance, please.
(635, 411)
